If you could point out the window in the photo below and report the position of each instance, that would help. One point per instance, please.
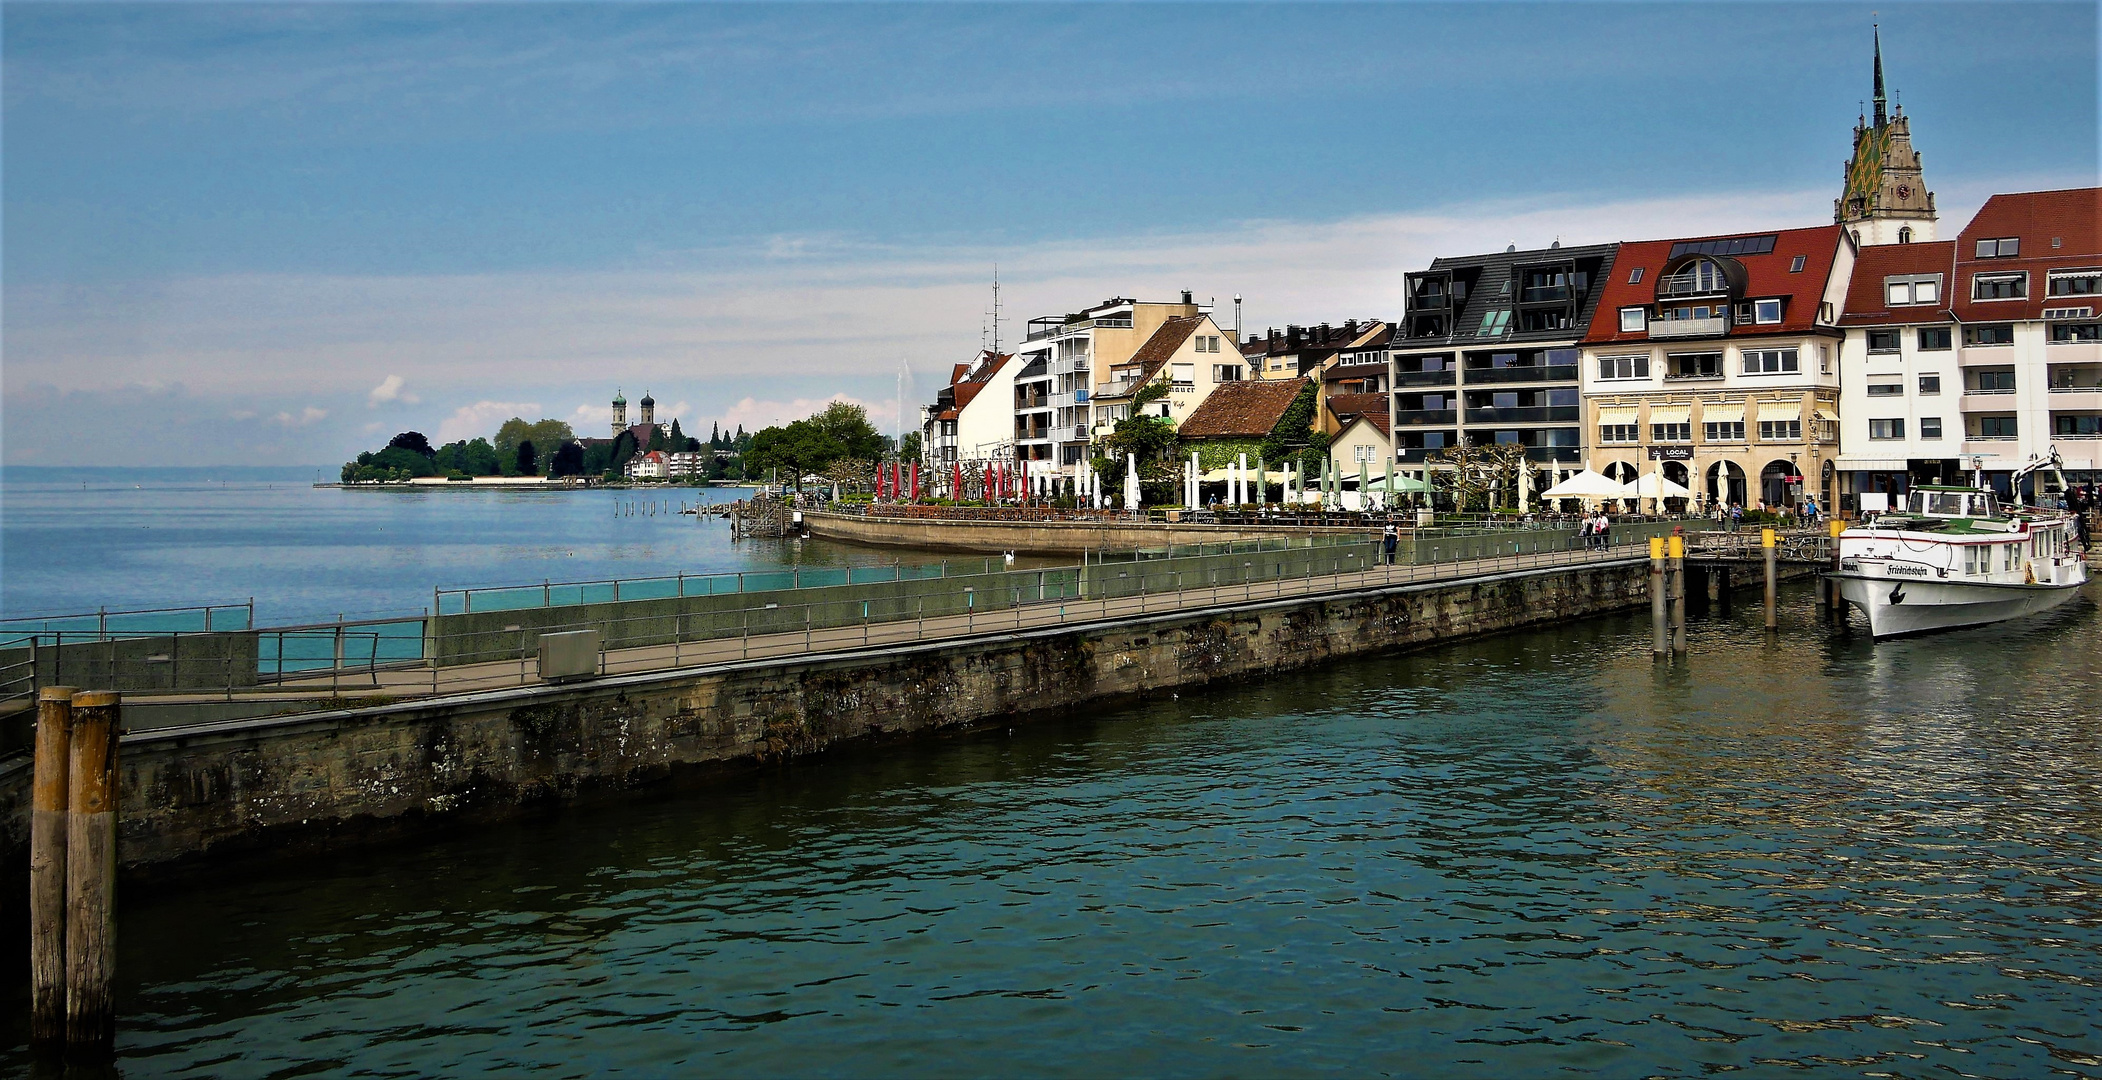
(2065, 333)
(2004, 248)
(1632, 319)
(2079, 426)
(1671, 432)
(1723, 430)
(1698, 276)
(1824, 359)
(1770, 361)
(1623, 367)
(1695, 366)
(1740, 245)
(1635, 276)
(1795, 265)
(1999, 286)
(1182, 375)
(1780, 430)
(1934, 339)
(1883, 341)
(2076, 282)
(1930, 384)
(1989, 334)
(1905, 235)
(1886, 429)
(1930, 427)
(1912, 289)
(1507, 399)
(1995, 381)
(1996, 427)
(1766, 311)
(1562, 398)
(1885, 389)
(1226, 373)
(1617, 433)
(1494, 323)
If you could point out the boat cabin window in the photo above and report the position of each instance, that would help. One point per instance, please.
(1944, 502)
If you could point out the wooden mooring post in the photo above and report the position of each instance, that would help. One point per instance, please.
(49, 783)
(91, 871)
(1659, 600)
(1767, 543)
(1675, 572)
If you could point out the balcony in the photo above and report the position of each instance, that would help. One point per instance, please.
(1526, 414)
(1686, 328)
(1987, 401)
(1537, 374)
(1423, 378)
(1554, 453)
(1426, 417)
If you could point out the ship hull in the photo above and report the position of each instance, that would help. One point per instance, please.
(1897, 606)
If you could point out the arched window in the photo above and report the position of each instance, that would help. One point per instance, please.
(1905, 235)
(1698, 276)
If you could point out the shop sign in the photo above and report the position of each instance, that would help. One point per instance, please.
(1671, 453)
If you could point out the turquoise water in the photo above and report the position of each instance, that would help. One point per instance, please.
(1534, 854)
(75, 541)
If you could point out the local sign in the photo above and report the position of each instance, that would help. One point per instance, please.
(1671, 453)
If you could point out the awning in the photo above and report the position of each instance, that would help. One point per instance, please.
(1732, 413)
(1670, 414)
(1872, 464)
(1616, 414)
(1823, 413)
(1780, 410)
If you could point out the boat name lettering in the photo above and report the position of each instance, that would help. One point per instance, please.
(1902, 570)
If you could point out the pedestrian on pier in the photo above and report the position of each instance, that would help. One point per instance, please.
(1390, 541)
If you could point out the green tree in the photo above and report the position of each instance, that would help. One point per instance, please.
(623, 449)
(1293, 429)
(412, 441)
(909, 446)
(542, 433)
(528, 460)
(478, 458)
(568, 460)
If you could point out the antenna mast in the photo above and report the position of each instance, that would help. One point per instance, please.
(995, 312)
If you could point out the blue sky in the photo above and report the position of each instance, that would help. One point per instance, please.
(278, 232)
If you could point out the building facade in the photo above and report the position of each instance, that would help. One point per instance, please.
(1065, 360)
(1487, 352)
(1965, 361)
(972, 419)
(1714, 360)
(1188, 352)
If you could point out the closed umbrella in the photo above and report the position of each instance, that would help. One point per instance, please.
(1131, 482)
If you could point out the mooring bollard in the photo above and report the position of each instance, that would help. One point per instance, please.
(1659, 634)
(1767, 543)
(1838, 601)
(47, 864)
(1676, 574)
(91, 870)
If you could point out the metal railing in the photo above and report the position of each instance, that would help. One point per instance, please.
(134, 622)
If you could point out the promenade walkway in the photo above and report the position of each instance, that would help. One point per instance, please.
(425, 680)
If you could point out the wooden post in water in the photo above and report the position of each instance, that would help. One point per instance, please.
(91, 871)
(1838, 608)
(47, 865)
(1766, 544)
(1660, 646)
(1677, 575)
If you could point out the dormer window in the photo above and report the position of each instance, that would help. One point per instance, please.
(1696, 277)
(2003, 248)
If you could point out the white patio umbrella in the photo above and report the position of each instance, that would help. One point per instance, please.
(1648, 485)
(1588, 485)
(1131, 482)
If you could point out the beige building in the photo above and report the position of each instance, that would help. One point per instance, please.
(1065, 361)
(1188, 352)
(1715, 361)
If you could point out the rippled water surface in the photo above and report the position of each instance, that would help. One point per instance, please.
(1533, 854)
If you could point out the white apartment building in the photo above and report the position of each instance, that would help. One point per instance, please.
(1969, 359)
(973, 418)
(1066, 361)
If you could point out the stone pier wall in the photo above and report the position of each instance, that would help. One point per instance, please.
(330, 778)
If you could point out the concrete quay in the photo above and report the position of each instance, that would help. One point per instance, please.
(1047, 537)
(320, 779)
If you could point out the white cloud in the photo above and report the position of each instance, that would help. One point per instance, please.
(481, 419)
(390, 389)
(306, 416)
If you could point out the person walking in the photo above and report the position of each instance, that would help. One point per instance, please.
(1390, 541)
(1605, 530)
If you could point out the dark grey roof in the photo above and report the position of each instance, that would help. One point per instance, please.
(1493, 285)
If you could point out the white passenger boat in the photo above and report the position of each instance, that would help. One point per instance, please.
(1953, 557)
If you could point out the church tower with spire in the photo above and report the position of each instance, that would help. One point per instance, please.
(1886, 200)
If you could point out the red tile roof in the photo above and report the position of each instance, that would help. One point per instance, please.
(1868, 302)
(1377, 418)
(2072, 217)
(967, 389)
(1766, 276)
(1346, 407)
(1244, 409)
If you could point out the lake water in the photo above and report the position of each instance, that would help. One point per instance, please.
(1518, 856)
(78, 540)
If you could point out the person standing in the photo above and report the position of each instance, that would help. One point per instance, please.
(1390, 541)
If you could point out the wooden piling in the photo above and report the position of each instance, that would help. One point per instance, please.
(91, 871)
(47, 864)
(1836, 599)
(1767, 542)
(1677, 574)
(1659, 634)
